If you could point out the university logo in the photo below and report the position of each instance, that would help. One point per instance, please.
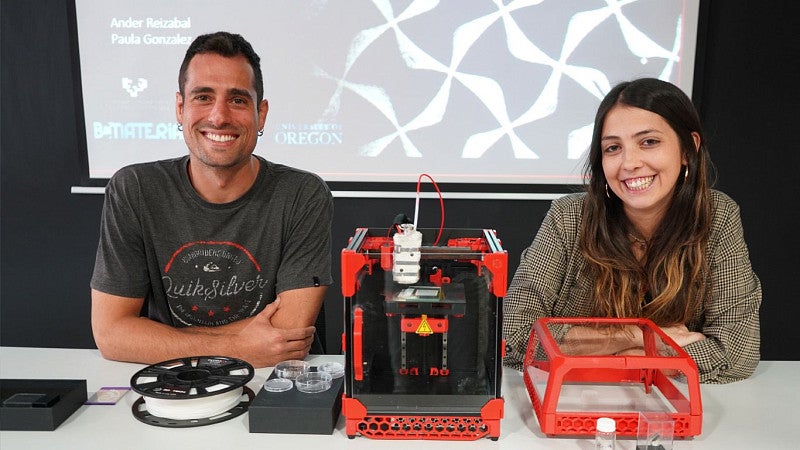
(134, 89)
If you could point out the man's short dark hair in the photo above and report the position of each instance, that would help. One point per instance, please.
(223, 44)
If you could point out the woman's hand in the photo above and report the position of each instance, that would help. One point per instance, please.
(681, 335)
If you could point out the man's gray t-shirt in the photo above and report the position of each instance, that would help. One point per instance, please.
(200, 263)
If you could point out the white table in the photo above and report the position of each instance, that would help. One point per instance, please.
(758, 413)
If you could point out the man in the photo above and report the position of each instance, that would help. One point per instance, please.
(219, 252)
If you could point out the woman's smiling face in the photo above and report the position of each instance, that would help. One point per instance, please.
(642, 160)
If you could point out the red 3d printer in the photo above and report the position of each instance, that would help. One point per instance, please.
(422, 339)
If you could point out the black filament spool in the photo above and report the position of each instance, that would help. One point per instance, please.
(192, 377)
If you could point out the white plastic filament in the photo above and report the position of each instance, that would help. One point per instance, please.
(193, 408)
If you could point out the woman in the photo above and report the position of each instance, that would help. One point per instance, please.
(648, 239)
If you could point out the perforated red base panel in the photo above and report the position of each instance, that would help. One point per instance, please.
(452, 428)
(424, 427)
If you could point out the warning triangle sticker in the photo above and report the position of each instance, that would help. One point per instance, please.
(424, 329)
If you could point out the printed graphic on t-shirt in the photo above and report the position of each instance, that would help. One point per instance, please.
(212, 283)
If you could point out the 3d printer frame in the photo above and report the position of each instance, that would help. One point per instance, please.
(423, 360)
(664, 370)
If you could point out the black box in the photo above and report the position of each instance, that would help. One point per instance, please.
(39, 405)
(296, 412)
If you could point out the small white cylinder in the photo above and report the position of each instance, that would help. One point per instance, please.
(606, 434)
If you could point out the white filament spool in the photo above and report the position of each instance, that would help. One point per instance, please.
(192, 391)
(193, 408)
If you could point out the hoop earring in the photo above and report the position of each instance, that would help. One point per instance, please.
(180, 126)
(260, 133)
(686, 173)
(607, 194)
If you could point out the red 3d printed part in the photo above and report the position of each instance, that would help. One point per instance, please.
(570, 390)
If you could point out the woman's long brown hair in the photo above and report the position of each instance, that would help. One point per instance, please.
(674, 269)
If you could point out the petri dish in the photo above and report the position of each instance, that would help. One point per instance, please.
(290, 369)
(313, 382)
(278, 385)
(335, 369)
